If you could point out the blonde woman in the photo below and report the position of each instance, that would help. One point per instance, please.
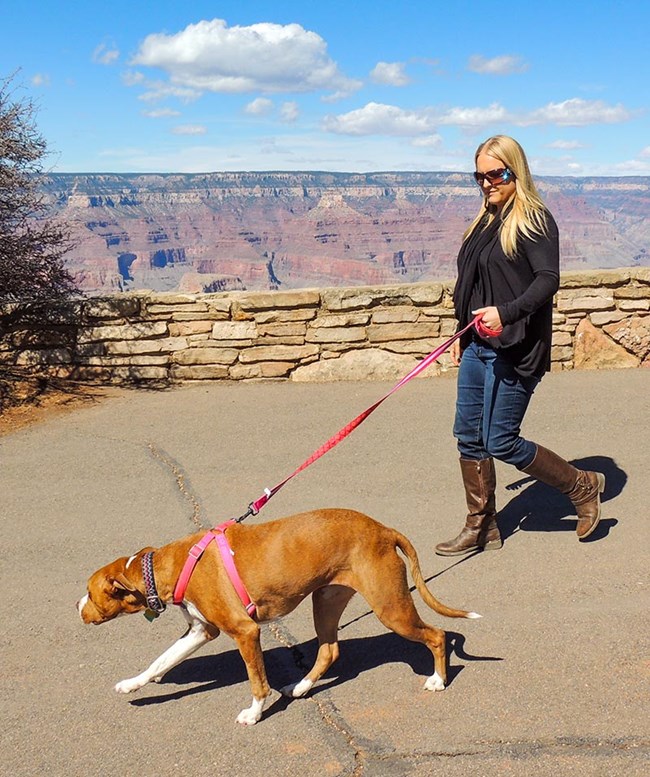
(508, 272)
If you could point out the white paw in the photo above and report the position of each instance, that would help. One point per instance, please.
(248, 717)
(128, 686)
(297, 690)
(434, 683)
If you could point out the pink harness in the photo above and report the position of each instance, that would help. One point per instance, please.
(195, 553)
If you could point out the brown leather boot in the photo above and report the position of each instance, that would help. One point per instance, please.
(480, 531)
(582, 487)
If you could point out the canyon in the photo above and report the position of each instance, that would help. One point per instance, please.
(272, 230)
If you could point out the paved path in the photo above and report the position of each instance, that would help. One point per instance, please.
(554, 680)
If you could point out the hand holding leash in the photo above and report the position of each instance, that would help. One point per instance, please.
(488, 321)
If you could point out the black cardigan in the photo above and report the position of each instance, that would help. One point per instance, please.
(521, 288)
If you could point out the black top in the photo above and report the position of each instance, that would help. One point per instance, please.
(521, 288)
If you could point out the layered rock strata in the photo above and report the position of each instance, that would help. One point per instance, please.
(203, 233)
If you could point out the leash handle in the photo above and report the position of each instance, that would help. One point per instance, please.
(485, 331)
(258, 504)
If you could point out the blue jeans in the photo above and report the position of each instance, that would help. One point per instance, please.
(491, 402)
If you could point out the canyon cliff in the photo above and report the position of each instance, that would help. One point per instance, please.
(273, 230)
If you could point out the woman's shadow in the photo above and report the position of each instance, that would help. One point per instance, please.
(542, 508)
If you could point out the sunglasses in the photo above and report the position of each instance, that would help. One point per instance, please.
(500, 175)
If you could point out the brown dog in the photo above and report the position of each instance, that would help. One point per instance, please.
(330, 554)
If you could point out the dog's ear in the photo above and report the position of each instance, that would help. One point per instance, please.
(121, 583)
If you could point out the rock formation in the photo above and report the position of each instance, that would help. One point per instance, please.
(226, 231)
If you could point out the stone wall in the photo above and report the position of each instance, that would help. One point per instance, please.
(601, 320)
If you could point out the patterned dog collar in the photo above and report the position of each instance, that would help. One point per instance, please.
(154, 602)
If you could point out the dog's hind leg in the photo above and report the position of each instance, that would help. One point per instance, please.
(389, 596)
(328, 605)
(405, 621)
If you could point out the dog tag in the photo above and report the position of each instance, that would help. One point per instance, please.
(151, 615)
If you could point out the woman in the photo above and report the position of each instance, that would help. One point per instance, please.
(508, 272)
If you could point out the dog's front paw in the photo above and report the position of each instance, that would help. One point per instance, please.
(434, 683)
(252, 714)
(128, 686)
(297, 690)
(248, 717)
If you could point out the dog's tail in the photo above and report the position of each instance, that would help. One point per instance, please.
(405, 545)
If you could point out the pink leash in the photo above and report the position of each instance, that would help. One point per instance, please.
(258, 504)
(218, 533)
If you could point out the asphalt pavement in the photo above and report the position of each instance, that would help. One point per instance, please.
(553, 680)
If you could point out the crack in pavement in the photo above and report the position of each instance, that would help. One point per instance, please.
(181, 481)
(170, 464)
(577, 745)
(325, 707)
(364, 755)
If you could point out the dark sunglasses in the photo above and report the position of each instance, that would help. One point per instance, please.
(500, 175)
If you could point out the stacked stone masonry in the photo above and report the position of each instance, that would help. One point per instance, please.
(601, 320)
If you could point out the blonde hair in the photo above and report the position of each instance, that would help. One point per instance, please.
(525, 212)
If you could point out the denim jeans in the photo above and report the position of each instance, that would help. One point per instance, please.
(490, 406)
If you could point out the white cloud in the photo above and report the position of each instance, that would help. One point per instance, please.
(289, 112)
(565, 145)
(189, 129)
(132, 78)
(390, 73)
(577, 113)
(631, 167)
(390, 120)
(40, 79)
(475, 117)
(334, 97)
(265, 57)
(428, 141)
(259, 107)
(105, 55)
(497, 66)
(379, 119)
(158, 90)
(291, 151)
(645, 152)
(161, 113)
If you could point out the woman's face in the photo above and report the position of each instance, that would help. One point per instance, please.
(497, 194)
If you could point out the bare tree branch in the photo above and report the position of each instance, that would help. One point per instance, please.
(32, 242)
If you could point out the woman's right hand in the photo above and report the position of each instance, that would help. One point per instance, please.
(455, 353)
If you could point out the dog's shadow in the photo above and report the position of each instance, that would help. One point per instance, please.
(285, 666)
(541, 508)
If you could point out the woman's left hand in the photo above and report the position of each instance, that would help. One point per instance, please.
(490, 317)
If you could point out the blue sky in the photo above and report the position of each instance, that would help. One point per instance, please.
(173, 86)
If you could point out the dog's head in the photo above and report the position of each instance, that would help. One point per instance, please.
(116, 589)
